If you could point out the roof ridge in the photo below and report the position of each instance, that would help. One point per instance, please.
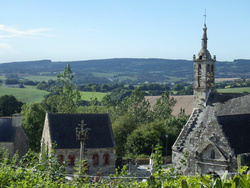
(76, 113)
(233, 115)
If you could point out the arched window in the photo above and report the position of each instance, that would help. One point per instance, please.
(199, 69)
(60, 158)
(106, 159)
(212, 154)
(71, 159)
(95, 159)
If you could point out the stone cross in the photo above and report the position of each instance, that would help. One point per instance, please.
(82, 136)
(205, 16)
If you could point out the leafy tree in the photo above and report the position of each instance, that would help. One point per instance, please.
(135, 105)
(163, 107)
(50, 103)
(140, 141)
(9, 105)
(93, 107)
(122, 127)
(68, 97)
(178, 87)
(11, 81)
(33, 121)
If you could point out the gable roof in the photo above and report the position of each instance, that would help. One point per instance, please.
(237, 130)
(63, 130)
(7, 131)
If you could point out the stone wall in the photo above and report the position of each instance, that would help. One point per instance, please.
(207, 147)
(21, 142)
(92, 169)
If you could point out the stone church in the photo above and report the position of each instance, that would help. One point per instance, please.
(216, 136)
(60, 129)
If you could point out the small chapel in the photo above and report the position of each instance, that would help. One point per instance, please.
(216, 138)
(60, 134)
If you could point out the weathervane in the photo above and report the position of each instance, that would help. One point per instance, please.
(205, 16)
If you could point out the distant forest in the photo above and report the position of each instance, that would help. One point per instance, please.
(126, 70)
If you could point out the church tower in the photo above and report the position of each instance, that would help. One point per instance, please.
(203, 73)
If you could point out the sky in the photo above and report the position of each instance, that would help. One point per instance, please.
(69, 30)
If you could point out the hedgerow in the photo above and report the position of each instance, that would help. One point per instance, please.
(48, 172)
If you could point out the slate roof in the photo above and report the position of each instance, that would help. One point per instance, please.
(237, 130)
(233, 114)
(229, 103)
(63, 130)
(7, 132)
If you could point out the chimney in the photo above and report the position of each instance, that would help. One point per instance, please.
(17, 120)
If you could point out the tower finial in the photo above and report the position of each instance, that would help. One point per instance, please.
(205, 16)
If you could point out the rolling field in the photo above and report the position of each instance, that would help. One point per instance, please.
(40, 78)
(88, 95)
(23, 94)
(234, 90)
(29, 95)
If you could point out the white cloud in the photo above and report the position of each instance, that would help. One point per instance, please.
(9, 32)
(6, 48)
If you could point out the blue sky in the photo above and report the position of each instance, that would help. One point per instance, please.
(63, 30)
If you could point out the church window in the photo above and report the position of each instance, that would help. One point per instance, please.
(199, 75)
(212, 75)
(71, 159)
(106, 159)
(208, 76)
(60, 158)
(212, 154)
(95, 159)
(199, 69)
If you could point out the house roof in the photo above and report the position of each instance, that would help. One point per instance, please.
(63, 130)
(237, 130)
(7, 131)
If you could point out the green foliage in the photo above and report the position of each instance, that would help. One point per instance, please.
(69, 97)
(32, 122)
(48, 172)
(122, 127)
(137, 126)
(163, 106)
(140, 141)
(9, 105)
(135, 106)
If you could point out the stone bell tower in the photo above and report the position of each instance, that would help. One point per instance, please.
(203, 73)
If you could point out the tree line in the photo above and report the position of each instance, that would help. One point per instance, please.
(136, 125)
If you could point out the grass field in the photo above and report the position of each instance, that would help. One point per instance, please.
(29, 95)
(88, 95)
(23, 94)
(234, 90)
(40, 78)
